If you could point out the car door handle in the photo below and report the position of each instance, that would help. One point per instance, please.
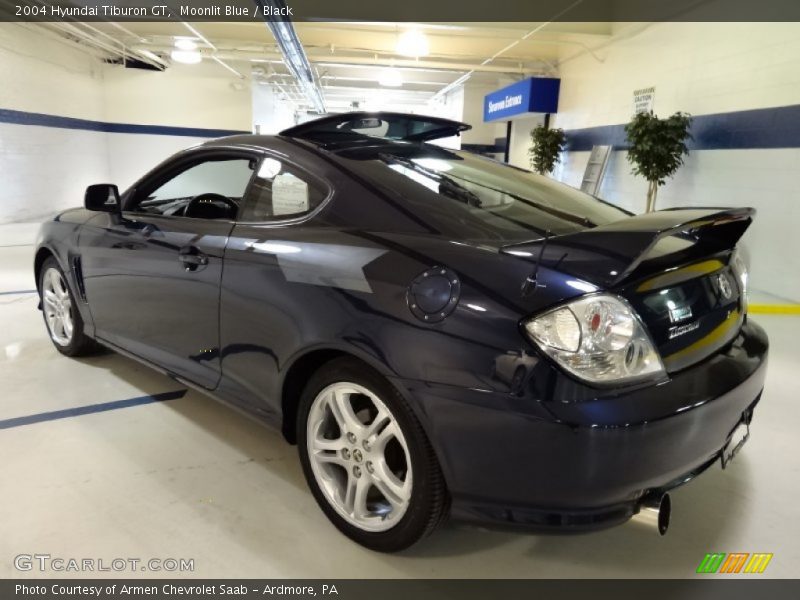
(191, 257)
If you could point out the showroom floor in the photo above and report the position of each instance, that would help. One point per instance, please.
(189, 478)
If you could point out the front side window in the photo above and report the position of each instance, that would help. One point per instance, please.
(211, 189)
(280, 192)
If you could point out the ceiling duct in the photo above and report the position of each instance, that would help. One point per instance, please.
(294, 55)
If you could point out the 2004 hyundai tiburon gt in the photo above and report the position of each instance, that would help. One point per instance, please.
(440, 334)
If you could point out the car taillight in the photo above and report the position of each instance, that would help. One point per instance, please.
(599, 339)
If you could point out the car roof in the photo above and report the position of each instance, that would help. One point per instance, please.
(243, 140)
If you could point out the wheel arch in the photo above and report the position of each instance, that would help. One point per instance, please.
(42, 254)
(300, 370)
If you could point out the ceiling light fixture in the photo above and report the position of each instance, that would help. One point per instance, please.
(413, 43)
(185, 44)
(187, 57)
(390, 78)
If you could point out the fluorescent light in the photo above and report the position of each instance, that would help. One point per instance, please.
(185, 44)
(413, 43)
(390, 78)
(187, 57)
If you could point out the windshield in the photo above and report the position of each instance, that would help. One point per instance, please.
(475, 198)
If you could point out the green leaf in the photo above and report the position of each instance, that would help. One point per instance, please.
(657, 146)
(546, 149)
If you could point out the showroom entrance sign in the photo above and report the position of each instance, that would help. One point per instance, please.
(532, 95)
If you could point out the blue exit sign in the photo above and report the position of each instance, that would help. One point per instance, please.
(532, 95)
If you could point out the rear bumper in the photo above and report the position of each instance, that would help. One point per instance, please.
(587, 464)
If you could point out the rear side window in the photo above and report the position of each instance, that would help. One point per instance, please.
(470, 197)
(280, 192)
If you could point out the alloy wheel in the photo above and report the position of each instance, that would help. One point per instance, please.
(359, 456)
(57, 306)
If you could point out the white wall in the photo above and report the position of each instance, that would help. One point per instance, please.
(481, 133)
(521, 140)
(270, 114)
(46, 169)
(449, 106)
(202, 96)
(700, 68)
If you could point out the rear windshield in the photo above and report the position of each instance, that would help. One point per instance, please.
(476, 198)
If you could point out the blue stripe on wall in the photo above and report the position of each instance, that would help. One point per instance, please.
(746, 129)
(17, 292)
(92, 408)
(18, 117)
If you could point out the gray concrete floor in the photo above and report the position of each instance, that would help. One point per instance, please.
(190, 478)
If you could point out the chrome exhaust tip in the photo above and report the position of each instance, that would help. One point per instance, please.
(654, 512)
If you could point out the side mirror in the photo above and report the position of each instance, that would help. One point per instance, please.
(102, 197)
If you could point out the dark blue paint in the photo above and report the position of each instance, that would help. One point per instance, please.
(90, 409)
(15, 292)
(17, 117)
(747, 129)
(532, 95)
(513, 433)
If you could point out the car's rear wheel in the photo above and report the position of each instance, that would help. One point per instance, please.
(366, 458)
(61, 315)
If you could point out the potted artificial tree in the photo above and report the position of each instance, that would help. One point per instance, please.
(547, 146)
(657, 148)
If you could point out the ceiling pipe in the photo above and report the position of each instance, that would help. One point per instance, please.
(86, 40)
(329, 60)
(502, 51)
(215, 57)
(292, 51)
(113, 46)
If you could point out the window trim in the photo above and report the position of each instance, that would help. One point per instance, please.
(248, 197)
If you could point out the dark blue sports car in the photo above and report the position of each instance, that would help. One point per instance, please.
(440, 334)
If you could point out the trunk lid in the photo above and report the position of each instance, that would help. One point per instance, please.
(692, 311)
(673, 266)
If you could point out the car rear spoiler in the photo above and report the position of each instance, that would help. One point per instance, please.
(399, 126)
(609, 254)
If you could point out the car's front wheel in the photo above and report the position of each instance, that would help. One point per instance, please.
(61, 315)
(366, 458)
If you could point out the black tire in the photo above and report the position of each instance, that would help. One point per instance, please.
(429, 503)
(79, 344)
